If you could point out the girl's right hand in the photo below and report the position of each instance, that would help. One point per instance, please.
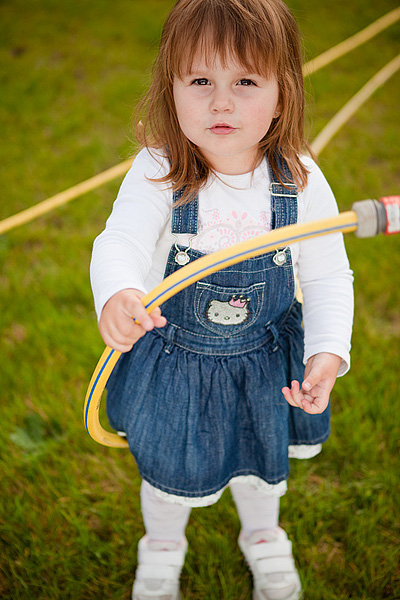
(124, 320)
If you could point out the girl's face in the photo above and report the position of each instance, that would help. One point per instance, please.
(225, 112)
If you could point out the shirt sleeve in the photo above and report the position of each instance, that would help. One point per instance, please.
(325, 278)
(123, 253)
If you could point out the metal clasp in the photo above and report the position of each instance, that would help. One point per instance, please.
(280, 257)
(287, 185)
(182, 257)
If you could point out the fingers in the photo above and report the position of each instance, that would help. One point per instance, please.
(133, 308)
(312, 380)
(141, 318)
(293, 394)
(314, 402)
(158, 319)
(317, 406)
(136, 310)
(319, 378)
(124, 320)
(121, 334)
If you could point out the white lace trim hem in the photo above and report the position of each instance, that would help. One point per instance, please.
(270, 489)
(304, 451)
(278, 489)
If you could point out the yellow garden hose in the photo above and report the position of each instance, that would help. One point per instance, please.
(368, 218)
(351, 107)
(352, 42)
(42, 208)
(284, 236)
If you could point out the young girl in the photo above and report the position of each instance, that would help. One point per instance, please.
(214, 393)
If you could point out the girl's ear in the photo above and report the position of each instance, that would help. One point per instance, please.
(278, 108)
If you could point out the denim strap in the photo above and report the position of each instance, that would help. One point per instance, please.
(283, 198)
(184, 217)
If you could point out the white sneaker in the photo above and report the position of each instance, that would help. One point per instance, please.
(159, 569)
(269, 556)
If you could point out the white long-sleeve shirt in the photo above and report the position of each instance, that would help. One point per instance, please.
(132, 251)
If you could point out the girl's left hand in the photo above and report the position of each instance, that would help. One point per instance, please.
(319, 378)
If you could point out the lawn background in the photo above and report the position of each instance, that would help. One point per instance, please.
(70, 74)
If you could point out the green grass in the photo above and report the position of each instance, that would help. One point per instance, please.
(70, 75)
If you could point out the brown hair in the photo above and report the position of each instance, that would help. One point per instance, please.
(264, 37)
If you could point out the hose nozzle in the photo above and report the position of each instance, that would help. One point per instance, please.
(377, 217)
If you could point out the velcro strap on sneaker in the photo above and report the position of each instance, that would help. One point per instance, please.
(160, 572)
(269, 549)
(162, 557)
(282, 564)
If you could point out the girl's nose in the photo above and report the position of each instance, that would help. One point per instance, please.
(221, 102)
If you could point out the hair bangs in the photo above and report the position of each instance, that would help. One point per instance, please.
(224, 30)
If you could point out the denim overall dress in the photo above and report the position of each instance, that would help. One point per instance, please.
(200, 400)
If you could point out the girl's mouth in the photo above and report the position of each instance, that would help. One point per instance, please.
(222, 129)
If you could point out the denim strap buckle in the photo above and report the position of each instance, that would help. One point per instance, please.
(283, 191)
(182, 257)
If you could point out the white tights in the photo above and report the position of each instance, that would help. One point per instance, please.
(165, 521)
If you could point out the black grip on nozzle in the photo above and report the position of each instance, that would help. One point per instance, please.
(371, 217)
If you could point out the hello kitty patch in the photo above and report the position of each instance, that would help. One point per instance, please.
(233, 312)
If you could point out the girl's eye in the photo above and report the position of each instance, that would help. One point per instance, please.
(246, 82)
(200, 81)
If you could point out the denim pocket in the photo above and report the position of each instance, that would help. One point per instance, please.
(228, 311)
